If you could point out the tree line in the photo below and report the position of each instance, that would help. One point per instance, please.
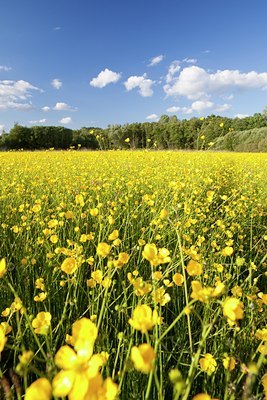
(167, 133)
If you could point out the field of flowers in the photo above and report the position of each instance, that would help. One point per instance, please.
(133, 275)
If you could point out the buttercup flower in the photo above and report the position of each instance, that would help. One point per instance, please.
(143, 357)
(143, 318)
(41, 323)
(208, 363)
(40, 389)
(233, 310)
(2, 267)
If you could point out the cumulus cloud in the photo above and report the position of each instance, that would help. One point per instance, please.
(16, 94)
(65, 120)
(5, 68)
(195, 83)
(199, 106)
(155, 60)
(173, 69)
(173, 109)
(141, 82)
(190, 60)
(104, 78)
(38, 121)
(223, 107)
(63, 107)
(56, 83)
(241, 116)
(2, 128)
(45, 108)
(152, 117)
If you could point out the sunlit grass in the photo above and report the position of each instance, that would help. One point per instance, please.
(133, 275)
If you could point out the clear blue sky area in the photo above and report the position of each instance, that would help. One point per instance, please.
(99, 62)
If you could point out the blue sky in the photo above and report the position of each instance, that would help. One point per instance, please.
(99, 62)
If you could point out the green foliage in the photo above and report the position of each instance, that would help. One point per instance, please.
(168, 133)
(253, 140)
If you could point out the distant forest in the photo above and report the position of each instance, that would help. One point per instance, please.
(212, 132)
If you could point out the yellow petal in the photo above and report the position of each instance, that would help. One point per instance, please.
(63, 383)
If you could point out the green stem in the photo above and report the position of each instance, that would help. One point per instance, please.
(185, 291)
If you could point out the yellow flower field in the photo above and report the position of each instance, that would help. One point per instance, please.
(133, 275)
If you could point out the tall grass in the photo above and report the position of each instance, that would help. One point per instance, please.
(97, 235)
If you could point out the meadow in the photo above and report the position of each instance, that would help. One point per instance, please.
(133, 275)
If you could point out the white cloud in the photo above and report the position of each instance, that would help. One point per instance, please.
(57, 28)
(45, 108)
(65, 120)
(5, 68)
(173, 68)
(152, 117)
(104, 78)
(155, 60)
(63, 107)
(241, 116)
(173, 109)
(39, 121)
(190, 60)
(228, 97)
(16, 94)
(223, 107)
(144, 85)
(195, 83)
(56, 83)
(201, 105)
(2, 128)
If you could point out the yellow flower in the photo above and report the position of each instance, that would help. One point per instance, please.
(94, 212)
(3, 338)
(229, 362)
(84, 334)
(150, 252)
(101, 390)
(261, 334)
(233, 310)
(26, 357)
(227, 251)
(143, 357)
(69, 265)
(161, 297)
(157, 275)
(202, 396)
(208, 363)
(143, 318)
(39, 284)
(2, 267)
(221, 124)
(194, 268)
(103, 249)
(40, 297)
(156, 256)
(40, 389)
(36, 208)
(122, 260)
(97, 276)
(42, 323)
(77, 373)
(68, 214)
(178, 279)
(114, 235)
(127, 140)
(79, 200)
(204, 294)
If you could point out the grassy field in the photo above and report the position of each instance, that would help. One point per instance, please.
(133, 275)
